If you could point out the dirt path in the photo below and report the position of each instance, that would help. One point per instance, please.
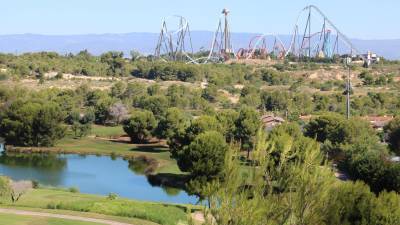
(59, 216)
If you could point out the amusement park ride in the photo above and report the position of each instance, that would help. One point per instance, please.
(321, 40)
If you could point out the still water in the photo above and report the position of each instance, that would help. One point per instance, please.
(91, 174)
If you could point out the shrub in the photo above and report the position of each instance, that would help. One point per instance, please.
(112, 196)
(73, 190)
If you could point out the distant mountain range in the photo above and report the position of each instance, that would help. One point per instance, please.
(145, 43)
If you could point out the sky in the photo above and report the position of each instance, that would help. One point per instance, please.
(356, 18)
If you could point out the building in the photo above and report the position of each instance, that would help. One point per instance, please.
(370, 58)
(378, 122)
(270, 121)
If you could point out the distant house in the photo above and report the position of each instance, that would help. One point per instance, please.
(378, 122)
(2, 143)
(270, 121)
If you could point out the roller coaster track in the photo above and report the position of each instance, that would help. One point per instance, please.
(176, 44)
(340, 34)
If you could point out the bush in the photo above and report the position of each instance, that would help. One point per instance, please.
(73, 190)
(35, 184)
(112, 196)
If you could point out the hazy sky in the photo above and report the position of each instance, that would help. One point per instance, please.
(365, 19)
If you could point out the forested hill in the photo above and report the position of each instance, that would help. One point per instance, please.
(145, 43)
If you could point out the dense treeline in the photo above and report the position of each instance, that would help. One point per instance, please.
(115, 64)
(289, 95)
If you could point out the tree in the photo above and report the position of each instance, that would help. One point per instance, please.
(32, 124)
(101, 110)
(140, 126)
(73, 116)
(276, 100)
(247, 126)
(204, 156)
(115, 61)
(280, 190)
(81, 130)
(349, 203)
(178, 95)
(118, 89)
(326, 127)
(227, 119)
(19, 188)
(393, 131)
(370, 168)
(157, 104)
(118, 112)
(172, 124)
(81, 123)
(338, 131)
(200, 125)
(134, 93)
(385, 211)
(197, 126)
(374, 169)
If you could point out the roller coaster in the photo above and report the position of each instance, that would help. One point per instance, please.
(174, 43)
(321, 40)
(257, 48)
(318, 44)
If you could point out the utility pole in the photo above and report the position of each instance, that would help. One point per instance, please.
(348, 88)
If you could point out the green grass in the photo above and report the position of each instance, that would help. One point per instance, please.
(103, 131)
(134, 221)
(167, 214)
(10, 219)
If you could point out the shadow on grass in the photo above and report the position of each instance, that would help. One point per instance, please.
(127, 140)
(121, 141)
(150, 149)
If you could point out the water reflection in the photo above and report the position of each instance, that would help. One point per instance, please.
(137, 166)
(170, 191)
(94, 174)
(39, 161)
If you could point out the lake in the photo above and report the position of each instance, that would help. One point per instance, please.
(91, 174)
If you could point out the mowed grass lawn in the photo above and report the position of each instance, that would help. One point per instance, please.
(166, 214)
(103, 131)
(10, 219)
